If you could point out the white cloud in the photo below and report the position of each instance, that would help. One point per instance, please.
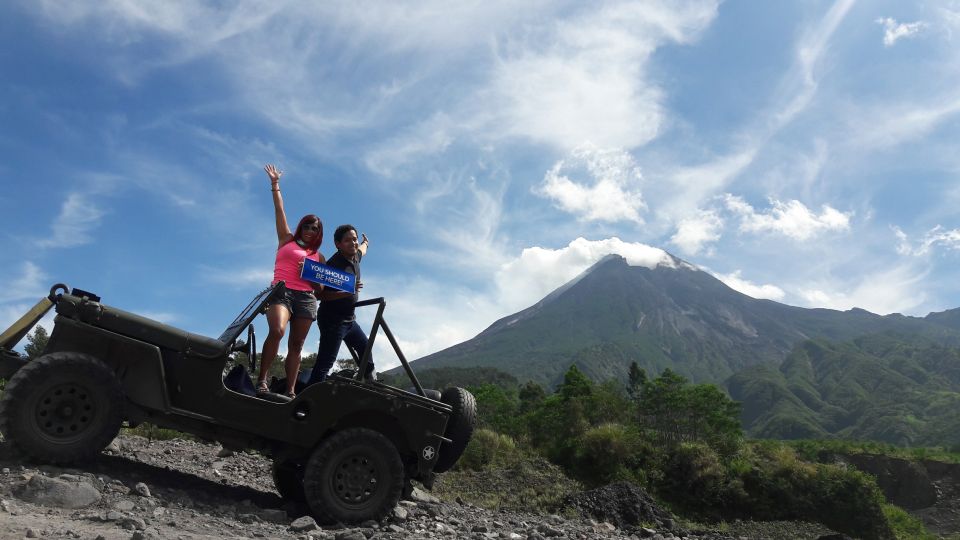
(694, 233)
(792, 218)
(526, 279)
(937, 236)
(893, 290)
(78, 218)
(894, 31)
(737, 283)
(608, 188)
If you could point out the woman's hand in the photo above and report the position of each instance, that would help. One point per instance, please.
(274, 173)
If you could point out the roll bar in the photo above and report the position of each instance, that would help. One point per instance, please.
(378, 323)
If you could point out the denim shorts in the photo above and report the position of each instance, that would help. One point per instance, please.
(300, 304)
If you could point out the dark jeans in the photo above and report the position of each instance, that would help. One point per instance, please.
(331, 335)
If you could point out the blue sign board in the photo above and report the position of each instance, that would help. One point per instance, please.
(328, 276)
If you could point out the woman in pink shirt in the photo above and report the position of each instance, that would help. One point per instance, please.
(298, 305)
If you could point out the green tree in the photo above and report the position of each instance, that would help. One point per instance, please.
(575, 384)
(531, 395)
(36, 342)
(675, 412)
(636, 378)
(496, 409)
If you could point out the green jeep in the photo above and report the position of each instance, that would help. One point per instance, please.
(346, 447)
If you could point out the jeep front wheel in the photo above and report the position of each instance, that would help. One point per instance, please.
(355, 475)
(62, 407)
(288, 479)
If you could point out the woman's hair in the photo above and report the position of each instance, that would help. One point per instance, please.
(298, 234)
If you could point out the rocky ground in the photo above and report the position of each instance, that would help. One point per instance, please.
(179, 489)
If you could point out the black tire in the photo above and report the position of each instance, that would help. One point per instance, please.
(62, 407)
(288, 479)
(353, 476)
(459, 427)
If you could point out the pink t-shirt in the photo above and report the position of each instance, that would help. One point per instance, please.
(287, 267)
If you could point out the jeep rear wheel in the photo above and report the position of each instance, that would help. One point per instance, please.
(62, 407)
(459, 427)
(353, 476)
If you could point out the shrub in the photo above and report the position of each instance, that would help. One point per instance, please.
(487, 448)
(694, 478)
(607, 453)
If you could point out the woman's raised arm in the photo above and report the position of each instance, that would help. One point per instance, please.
(283, 230)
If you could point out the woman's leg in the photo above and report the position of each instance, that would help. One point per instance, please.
(299, 328)
(277, 317)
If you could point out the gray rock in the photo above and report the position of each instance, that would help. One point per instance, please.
(350, 535)
(114, 446)
(32, 533)
(248, 518)
(647, 532)
(303, 524)
(480, 528)
(395, 528)
(141, 489)
(132, 523)
(57, 493)
(113, 515)
(400, 513)
(124, 505)
(419, 495)
(548, 531)
(224, 452)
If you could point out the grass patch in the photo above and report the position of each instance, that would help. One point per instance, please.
(154, 433)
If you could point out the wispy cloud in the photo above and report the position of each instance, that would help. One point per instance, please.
(29, 283)
(737, 283)
(605, 185)
(935, 237)
(237, 278)
(73, 226)
(894, 31)
(583, 79)
(792, 218)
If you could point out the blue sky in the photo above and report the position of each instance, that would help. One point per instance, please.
(804, 152)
